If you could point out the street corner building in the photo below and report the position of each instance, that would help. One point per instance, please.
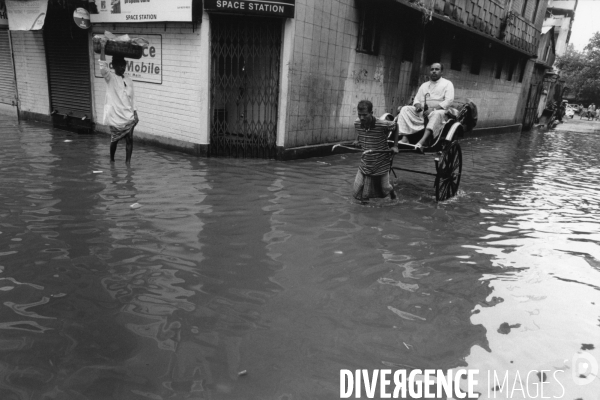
(266, 79)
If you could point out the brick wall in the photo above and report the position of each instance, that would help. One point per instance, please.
(31, 73)
(169, 110)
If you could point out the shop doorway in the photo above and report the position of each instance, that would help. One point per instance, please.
(68, 62)
(531, 107)
(8, 91)
(244, 91)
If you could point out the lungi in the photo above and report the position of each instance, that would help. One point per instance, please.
(117, 134)
(409, 121)
(370, 186)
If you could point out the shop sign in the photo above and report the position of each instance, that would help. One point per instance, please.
(3, 15)
(146, 69)
(113, 11)
(26, 15)
(276, 8)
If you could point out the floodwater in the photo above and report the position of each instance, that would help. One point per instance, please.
(271, 268)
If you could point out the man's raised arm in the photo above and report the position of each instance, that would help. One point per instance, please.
(104, 69)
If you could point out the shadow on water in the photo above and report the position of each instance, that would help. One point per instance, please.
(273, 269)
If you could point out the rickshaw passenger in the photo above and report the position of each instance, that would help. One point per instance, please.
(440, 95)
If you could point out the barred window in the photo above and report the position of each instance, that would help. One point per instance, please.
(368, 30)
(499, 64)
(524, 8)
(512, 65)
(523, 67)
(456, 60)
(477, 57)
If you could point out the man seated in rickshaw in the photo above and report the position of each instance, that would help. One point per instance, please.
(438, 95)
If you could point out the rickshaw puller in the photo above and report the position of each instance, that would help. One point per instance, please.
(373, 176)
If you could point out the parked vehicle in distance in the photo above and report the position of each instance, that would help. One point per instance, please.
(570, 112)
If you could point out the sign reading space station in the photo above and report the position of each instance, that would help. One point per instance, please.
(271, 8)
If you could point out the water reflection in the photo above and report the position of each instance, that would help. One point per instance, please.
(272, 268)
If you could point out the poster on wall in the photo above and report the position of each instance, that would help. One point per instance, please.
(271, 8)
(3, 15)
(26, 15)
(146, 69)
(113, 11)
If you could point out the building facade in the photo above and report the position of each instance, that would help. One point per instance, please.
(282, 81)
(561, 15)
(8, 91)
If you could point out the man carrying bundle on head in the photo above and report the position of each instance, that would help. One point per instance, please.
(438, 94)
(119, 110)
(373, 176)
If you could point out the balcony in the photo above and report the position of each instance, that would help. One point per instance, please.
(488, 18)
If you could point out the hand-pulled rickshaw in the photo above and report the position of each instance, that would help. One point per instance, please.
(444, 147)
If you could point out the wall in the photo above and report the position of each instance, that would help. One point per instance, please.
(564, 35)
(496, 99)
(170, 110)
(328, 76)
(31, 74)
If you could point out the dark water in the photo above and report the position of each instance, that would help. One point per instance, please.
(272, 268)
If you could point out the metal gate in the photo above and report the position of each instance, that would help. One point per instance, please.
(68, 61)
(531, 105)
(244, 92)
(8, 92)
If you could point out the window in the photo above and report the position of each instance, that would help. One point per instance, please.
(368, 31)
(456, 61)
(499, 64)
(512, 65)
(524, 8)
(476, 60)
(537, 5)
(546, 52)
(408, 50)
(433, 49)
(523, 67)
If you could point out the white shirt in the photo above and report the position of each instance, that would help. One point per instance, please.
(118, 106)
(441, 93)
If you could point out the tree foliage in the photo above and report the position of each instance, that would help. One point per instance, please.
(581, 70)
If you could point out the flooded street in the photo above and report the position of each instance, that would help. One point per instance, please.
(272, 268)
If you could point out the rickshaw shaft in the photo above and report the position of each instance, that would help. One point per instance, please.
(414, 171)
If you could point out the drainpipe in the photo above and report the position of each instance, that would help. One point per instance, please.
(12, 53)
(505, 20)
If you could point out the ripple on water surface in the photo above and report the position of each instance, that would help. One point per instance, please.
(272, 268)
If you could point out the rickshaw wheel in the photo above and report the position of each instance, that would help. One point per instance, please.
(448, 171)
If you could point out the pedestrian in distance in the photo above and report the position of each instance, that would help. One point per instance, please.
(119, 108)
(373, 176)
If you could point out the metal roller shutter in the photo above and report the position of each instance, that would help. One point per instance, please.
(7, 71)
(68, 62)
